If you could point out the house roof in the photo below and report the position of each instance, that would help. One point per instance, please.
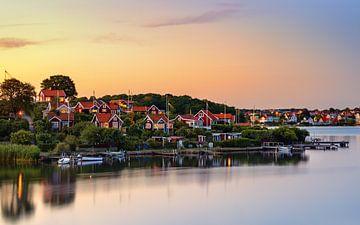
(139, 108)
(113, 106)
(104, 117)
(87, 105)
(225, 116)
(209, 114)
(53, 93)
(157, 118)
(188, 117)
(61, 116)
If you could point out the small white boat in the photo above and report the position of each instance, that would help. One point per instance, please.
(88, 163)
(89, 159)
(64, 161)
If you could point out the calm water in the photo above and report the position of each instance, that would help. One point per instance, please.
(314, 188)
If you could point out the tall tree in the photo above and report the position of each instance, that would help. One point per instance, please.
(60, 82)
(16, 95)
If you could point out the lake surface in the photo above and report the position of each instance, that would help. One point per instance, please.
(313, 188)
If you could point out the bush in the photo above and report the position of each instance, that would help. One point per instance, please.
(62, 147)
(72, 141)
(258, 135)
(154, 144)
(237, 143)
(170, 145)
(12, 152)
(22, 137)
(45, 141)
(10, 126)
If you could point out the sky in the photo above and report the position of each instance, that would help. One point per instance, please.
(255, 53)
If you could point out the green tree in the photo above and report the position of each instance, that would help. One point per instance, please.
(285, 135)
(22, 137)
(91, 135)
(16, 95)
(45, 141)
(60, 82)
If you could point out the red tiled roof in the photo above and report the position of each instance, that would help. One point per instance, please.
(189, 117)
(53, 93)
(104, 117)
(156, 118)
(224, 116)
(113, 106)
(61, 116)
(139, 108)
(87, 105)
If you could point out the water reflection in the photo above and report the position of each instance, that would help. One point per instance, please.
(16, 199)
(58, 184)
(59, 187)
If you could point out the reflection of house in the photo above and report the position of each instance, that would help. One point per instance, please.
(47, 95)
(107, 120)
(225, 136)
(190, 120)
(60, 120)
(157, 122)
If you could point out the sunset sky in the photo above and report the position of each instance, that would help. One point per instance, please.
(263, 53)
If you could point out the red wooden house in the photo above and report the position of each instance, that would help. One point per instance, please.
(47, 95)
(60, 120)
(86, 107)
(158, 122)
(207, 117)
(107, 120)
(192, 121)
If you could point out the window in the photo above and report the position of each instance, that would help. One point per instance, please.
(115, 124)
(106, 125)
(55, 125)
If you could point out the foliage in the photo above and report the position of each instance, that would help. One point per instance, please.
(60, 82)
(9, 126)
(90, 135)
(22, 137)
(154, 144)
(80, 126)
(258, 135)
(132, 143)
(72, 141)
(238, 143)
(11, 152)
(17, 95)
(179, 104)
(285, 135)
(45, 141)
(62, 147)
(42, 126)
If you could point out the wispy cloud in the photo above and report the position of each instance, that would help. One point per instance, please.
(6, 43)
(114, 38)
(206, 17)
(21, 24)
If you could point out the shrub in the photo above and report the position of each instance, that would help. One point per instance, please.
(22, 137)
(154, 144)
(72, 141)
(45, 141)
(258, 135)
(62, 147)
(237, 143)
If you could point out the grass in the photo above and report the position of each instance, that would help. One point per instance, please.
(14, 153)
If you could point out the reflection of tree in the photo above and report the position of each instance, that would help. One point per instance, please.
(60, 187)
(16, 199)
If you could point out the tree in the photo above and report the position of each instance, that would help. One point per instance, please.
(22, 137)
(91, 135)
(60, 82)
(17, 95)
